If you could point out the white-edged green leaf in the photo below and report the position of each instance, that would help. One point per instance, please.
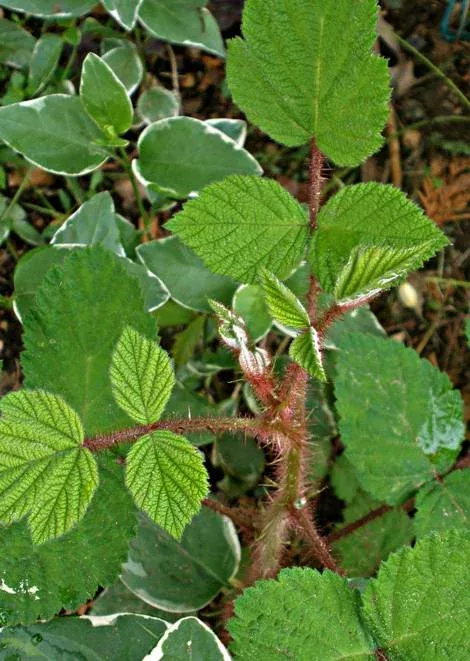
(185, 22)
(242, 224)
(305, 70)
(45, 473)
(418, 606)
(50, 8)
(16, 44)
(306, 351)
(292, 616)
(283, 304)
(123, 11)
(117, 598)
(104, 96)
(248, 302)
(180, 155)
(44, 61)
(157, 103)
(127, 65)
(167, 479)
(236, 129)
(142, 377)
(189, 638)
(54, 133)
(443, 505)
(369, 237)
(389, 410)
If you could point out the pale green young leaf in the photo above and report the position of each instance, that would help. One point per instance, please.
(126, 63)
(181, 155)
(142, 377)
(295, 614)
(283, 304)
(167, 479)
(242, 224)
(104, 96)
(189, 638)
(418, 606)
(54, 133)
(50, 8)
(443, 505)
(45, 474)
(123, 11)
(305, 350)
(16, 44)
(44, 61)
(369, 237)
(395, 421)
(305, 70)
(157, 103)
(185, 22)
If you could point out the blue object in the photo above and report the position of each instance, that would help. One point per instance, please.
(463, 32)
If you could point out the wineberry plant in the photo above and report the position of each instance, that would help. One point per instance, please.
(126, 493)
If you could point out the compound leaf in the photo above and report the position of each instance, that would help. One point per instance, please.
(294, 613)
(443, 505)
(141, 376)
(369, 237)
(123, 11)
(242, 224)
(189, 634)
(104, 96)
(418, 606)
(283, 304)
(167, 478)
(45, 473)
(305, 350)
(305, 70)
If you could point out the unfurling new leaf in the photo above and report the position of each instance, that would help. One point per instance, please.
(283, 304)
(306, 351)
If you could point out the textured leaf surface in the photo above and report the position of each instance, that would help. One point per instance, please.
(127, 65)
(184, 22)
(242, 224)
(183, 576)
(54, 8)
(189, 639)
(55, 133)
(123, 636)
(167, 478)
(189, 282)
(104, 96)
(305, 69)
(418, 606)
(123, 11)
(369, 236)
(283, 304)
(305, 350)
(292, 617)
(181, 155)
(444, 505)
(16, 44)
(38, 581)
(72, 331)
(383, 416)
(157, 103)
(44, 61)
(44, 472)
(142, 377)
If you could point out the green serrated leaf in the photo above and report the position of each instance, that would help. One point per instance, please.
(104, 96)
(50, 8)
(181, 155)
(54, 133)
(283, 304)
(242, 224)
(369, 237)
(45, 473)
(443, 505)
(305, 350)
(142, 377)
(123, 11)
(292, 617)
(388, 411)
(418, 606)
(167, 478)
(305, 70)
(190, 638)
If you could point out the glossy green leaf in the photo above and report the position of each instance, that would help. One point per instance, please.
(387, 413)
(248, 302)
(73, 329)
(242, 224)
(50, 8)
(184, 22)
(443, 505)
(369, 237)
(104, 96)
(305, 70)
(123, 636)
(181, 155)
(54, 133)
(418, 606)
(189, 639)
(45, 473)
(167, 479)
(295, 614)
(305, 350)
(183, 576)
(44, 61)
(127, 65)
(142, 377)
(184, 275)
(16, 44)
(123, 11)
(283, 304)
